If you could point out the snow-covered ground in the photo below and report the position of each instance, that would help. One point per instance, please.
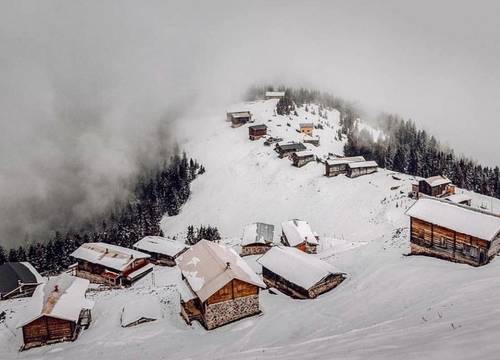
(390, 307)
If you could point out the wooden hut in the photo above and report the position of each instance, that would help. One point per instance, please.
(285, 149)
(274, 95)
(219, 287)
(453, 232)
(18, 279)
(104, 263)
(163, 251)
(337, 166)
(462, 199)
(313, 140)
(298, 233)
(257, 239)
(255, 132)
(301, 158)
(297, 274)
(437, 186)
(238, 118)
(359, 168)
(58, 311)
(306, 128)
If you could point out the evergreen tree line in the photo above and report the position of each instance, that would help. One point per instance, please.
(409, 150)
(210, 233)
(161, 192)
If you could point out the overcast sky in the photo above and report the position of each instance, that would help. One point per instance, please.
(86, 87)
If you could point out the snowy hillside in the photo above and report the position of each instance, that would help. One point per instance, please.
(390, 307)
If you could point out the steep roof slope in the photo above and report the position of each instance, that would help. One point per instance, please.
(160, 245)
(208, 266)
(13, 273)
(298, 231)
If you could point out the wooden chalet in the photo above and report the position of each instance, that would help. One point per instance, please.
(58, 311)
(306, 128)
(453, 232)
(301, 158)
(162, 251)
(313, 140)
(18, 279)
(298, 234)
(337, 166)
(238, 118)
(145, 309)
(360, 168)
(437, 186)
(103, 263)
(274, 95)
(219, 287)
(285, 149)
(297, 274)
(257, 239)
(255, 132)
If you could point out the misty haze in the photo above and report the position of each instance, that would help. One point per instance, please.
(249, 180)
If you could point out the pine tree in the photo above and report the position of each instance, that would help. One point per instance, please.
(3, 256)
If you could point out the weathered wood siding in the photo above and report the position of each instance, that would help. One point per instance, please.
(47, 329)
(232, 290)
(334, 170)
(435, 240)
(254, 249)
(352, 173)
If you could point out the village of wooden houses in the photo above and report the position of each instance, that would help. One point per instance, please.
(287, 255)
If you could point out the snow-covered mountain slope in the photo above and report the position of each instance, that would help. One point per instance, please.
(390, 307)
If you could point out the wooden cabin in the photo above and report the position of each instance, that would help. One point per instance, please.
(255, 132)
(306, 128)
(103, 263)
(58, 311)
(453, 232)
(313, 140)
(162, 251)
(275, 95)
(257, 239)
(298, 234)
(437, 186)
(338, 166)
(18, 279)
(301, 158)
(238, 118)
(297, 274)
(285, 149)
(219, 287)
(461, 199)
(139, 311)
(360, 168)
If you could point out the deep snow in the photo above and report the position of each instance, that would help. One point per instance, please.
(390, 307)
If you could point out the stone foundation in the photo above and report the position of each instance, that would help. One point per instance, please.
(227, 311)
(325, 286)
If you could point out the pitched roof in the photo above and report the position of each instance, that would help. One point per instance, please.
(258, 127)
(291, 146)
(160, 245)
(462, 219)
(13, 273)
(205, 268)
(298, 231)
(304, 270)
(437, 180)
(304, 125)
(304, 153)
(257, 233)
(62, 297)
(145, 308)
(108, 255)
(362, 164)
(458, 198)
(345, 160)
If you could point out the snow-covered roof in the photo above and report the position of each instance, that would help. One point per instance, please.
(345, 160)
(240, 114)
(298, 267)
(462, 219)
(61, 297)
(139, 272)
(208, 266)
(459, 198)
(304, 153)
(298, 231)
(306, 125)
(290, 145)
(275, 93)
(145, 308)
(257, 233)
(108, 255)
(14, 273)
(437, 180)
(362, 164)
(160, 245)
